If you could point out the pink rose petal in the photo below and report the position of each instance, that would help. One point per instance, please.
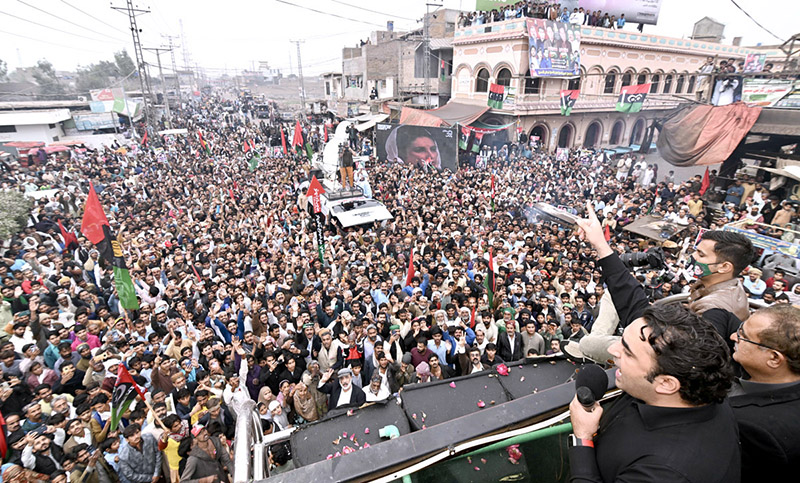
(344, 435)
(453, 385)
(366, 431)
(481, 404)
(477, 469)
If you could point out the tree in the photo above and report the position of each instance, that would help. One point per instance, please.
(124, 62)
(3, 70)
(45, 76)
(15, 208)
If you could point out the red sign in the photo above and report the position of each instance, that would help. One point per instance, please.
(314, 191)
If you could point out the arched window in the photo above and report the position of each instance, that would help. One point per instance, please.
(504, 77)
(654, 81)
(574, 84)
(679, 85)
(667, 84)
(482, 85)
(626, 79)
(690, 88)
(617, 132)
(611, 80)
(641, 79)
(533, 85)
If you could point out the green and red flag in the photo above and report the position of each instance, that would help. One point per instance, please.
(568, 99)
(443, 74)
(496, 94)
(463, 138)
(97, 230)
(489, 281)
(631, 98)
(125, 391)
(283, 143)
(476, 142)
(203, 143)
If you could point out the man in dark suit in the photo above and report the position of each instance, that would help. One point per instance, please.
(767, 404)
(470, 362)
(509, 343)
(343, 392)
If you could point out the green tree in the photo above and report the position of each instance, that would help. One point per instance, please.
(124, 63)
(14, 211)
(3, 70)
(45, 76)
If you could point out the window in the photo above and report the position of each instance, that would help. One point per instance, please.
(482, 84)
(327, 88)
(504, 77)
(574, 84)
(533, 85)
(690, 89)
(667, 84)
(642, 79)
(611, 79)
(8, 128)
(679, 85)
(654, 81)
(626, 79)
(51, 126)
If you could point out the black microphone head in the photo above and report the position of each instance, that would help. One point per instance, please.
(593, 377)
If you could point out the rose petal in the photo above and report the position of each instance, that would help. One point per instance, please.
(453, 385)
(366, 431)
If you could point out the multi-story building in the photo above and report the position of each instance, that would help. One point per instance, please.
(610, 59)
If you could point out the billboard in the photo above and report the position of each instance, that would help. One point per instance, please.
(636, 11)
(771, 93)
(554, 48)
(420, 146)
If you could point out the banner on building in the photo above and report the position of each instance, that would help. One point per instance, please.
(496, 94)
(419, 146)
(562, 154)
(636, 11)
(510, 101)
(771, 93)
(554, 48)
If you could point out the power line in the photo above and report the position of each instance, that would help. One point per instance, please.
(765, 29)
(68, 21)
(51, 43)
(374, 11)
(93, 17)
(328, 13)
(52, 28)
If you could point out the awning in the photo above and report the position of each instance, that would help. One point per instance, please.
(24, 144)
(450, 114)
(371, 123)
(697, 135)
(362, 118)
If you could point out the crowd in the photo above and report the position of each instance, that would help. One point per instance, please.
(226, 272)
(545, 10)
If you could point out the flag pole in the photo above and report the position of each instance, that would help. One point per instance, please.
(160, 422)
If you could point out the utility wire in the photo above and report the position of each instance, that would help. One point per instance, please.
(50, 43)
(765, 29)
(328, 13)
(52, 28)
(68, 21)
(374, 11)
(95, 18)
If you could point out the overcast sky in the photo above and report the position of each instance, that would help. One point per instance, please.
(234, 33)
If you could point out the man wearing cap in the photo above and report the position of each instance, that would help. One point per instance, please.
(342, 391)
(208, 461)
(753, 284)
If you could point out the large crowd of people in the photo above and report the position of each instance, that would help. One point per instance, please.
(544, 9)
(226, 272)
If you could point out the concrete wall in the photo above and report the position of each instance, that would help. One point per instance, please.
(34, 132)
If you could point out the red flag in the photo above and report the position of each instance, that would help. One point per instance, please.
(144, 139)
(283, 142)
(246, 146)
(297, 140)
(325, 129)
(93, 218)
(472, 318)
(607, 233)
(3, 444)
(70, 239)
(706, 183)
(410, 268)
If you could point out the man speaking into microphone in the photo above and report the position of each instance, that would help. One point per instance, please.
(671, 424)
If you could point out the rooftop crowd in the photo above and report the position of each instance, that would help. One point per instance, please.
(227, 273)
(549, 10)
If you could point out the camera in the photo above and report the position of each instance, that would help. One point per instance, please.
(653, 258)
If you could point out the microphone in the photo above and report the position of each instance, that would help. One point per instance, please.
(590, 385)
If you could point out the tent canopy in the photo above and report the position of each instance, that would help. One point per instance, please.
(450, 114)
(375, 119)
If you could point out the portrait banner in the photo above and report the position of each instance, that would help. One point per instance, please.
(419, 146)
(553, 48)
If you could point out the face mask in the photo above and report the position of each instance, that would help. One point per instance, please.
(700, 269)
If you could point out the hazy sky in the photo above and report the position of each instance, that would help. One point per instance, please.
(233, 33)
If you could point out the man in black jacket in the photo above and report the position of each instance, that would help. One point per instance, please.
(672, 423)
(509, 343)
(343, 392)
(767, 404)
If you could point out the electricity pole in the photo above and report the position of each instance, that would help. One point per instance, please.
(144, 81)
(300, 74)
(172, 48)
(426, 61)
(163, 84)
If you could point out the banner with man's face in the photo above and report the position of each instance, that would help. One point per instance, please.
(420, 146)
